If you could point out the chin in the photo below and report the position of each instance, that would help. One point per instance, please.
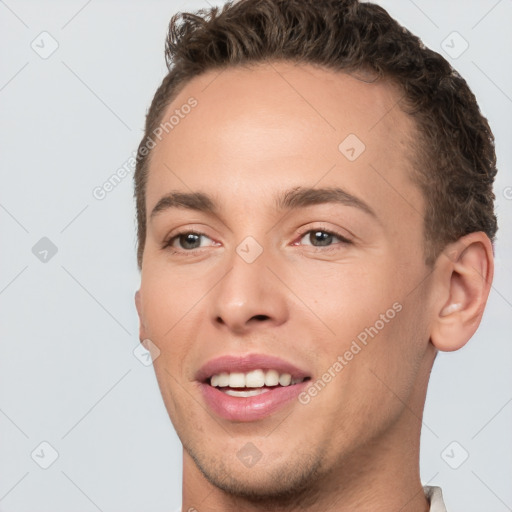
(285, 482)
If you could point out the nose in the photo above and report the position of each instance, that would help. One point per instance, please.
(249, 297)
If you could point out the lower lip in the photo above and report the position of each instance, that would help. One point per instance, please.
(250, 408)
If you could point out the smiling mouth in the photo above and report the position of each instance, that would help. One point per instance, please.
(250, 387)
(252, 383)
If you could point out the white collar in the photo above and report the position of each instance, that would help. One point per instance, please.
(435, 497)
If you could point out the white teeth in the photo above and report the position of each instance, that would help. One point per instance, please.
(253, 379)
(223, 380)
(237, 380)
(245, 394)
(285, 379)
(271, 378)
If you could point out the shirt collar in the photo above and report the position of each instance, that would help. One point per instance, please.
(434, 496)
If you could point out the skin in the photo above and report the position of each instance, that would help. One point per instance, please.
(257, 132)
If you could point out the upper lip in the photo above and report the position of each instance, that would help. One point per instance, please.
(247, 362)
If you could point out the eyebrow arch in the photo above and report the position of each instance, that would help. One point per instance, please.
(190, 201)
(298, 197)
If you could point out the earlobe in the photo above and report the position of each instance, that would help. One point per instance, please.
(465, 275)
(142, 326)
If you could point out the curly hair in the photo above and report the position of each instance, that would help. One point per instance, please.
(455, 161)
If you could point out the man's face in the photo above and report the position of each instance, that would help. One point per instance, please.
(309, 281)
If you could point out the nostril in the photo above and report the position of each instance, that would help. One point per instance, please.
(256, 318)
(261, 317)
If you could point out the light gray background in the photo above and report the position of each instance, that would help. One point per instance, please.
(68, 374)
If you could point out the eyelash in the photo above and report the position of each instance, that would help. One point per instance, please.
(342, 239)
(167, 245)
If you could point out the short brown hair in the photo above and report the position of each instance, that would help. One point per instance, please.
(455, 157)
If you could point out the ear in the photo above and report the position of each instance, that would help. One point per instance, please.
(142, 325)
(465, 271)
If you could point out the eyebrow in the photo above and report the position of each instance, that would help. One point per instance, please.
(190, 201)
(298, 197)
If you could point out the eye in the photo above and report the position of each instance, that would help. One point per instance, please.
(322, 238)
(188, 240)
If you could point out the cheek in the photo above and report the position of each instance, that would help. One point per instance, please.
(169, 298)
(346, 297)
(168, 314)
(366, 316)
(370, 372)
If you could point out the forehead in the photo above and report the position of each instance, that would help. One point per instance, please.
(279, 125)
